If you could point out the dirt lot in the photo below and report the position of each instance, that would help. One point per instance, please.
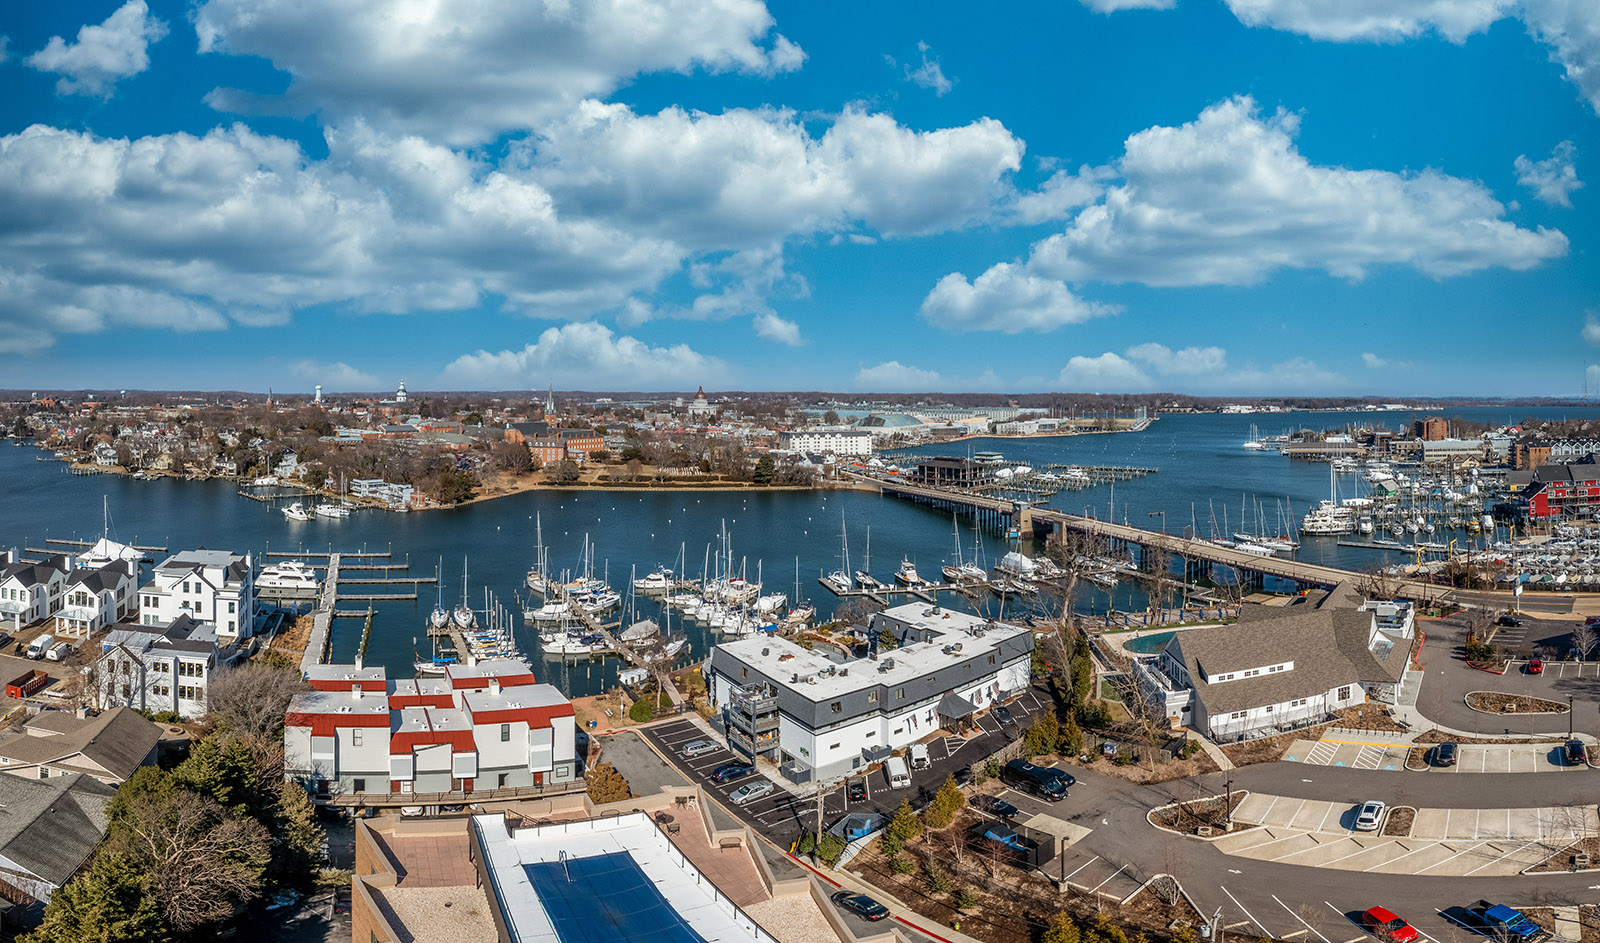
(1439, 736)
(293, 638)
(1496, 703)
(1562, 860)
(1398, 824)
(1146, 773)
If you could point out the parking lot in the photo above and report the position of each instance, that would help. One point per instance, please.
(781, 816)
(1507, 758)
(1441, 842)
(1380, 756)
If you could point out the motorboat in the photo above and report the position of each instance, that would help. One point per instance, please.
(291, 575)
(658, 581)
(337, 512)
(553, 611)
(297, 512)
(867, 581)
(906, 575)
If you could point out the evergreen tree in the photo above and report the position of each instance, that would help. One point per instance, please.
(946, 805)
(1061, 929)
(221, 767)
(905, 825)
(298, 844)
(765, 469)
(106, 903)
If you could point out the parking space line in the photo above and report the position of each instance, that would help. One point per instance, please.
(1259, 925)
(1085, 865)
(1453, 857)
(1324, 820)
(1302, 920)
(1501, 858)
(1425, 847)
(1108, 880)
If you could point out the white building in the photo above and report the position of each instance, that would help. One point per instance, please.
(31, 592)
(1280, 669)
(822, 716)
(480, 727)
(827, 441)
(215, 587)
(94, 597)
(156, 668)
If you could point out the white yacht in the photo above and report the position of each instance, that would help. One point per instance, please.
(907, 574)
(658, 581)
(291, 575)
(297, 512)
(554, 610)
(337, 512)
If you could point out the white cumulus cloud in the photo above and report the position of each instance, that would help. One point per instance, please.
(1591, 329)
(1228, 198)
(1571, 28)
(1553, 179)
(1373, 20)
(896, 377)
(587, 356)
(1373, 360)
(338, 376)
(929, 74)
(1008, 299)
(774, 328)
(465, 72)
(103, 53)
(1107, 373)
(1187, 361)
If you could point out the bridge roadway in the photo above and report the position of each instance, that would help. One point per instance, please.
(1296, 571)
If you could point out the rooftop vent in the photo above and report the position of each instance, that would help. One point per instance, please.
(956, 647)
(765, 652)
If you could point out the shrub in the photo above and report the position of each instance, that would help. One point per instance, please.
(946, 805)
(1190, 748)
(830, 849)
(966, 898)
(606, 785)
(808, 844)
(902, 865)
(890, 845)
(939, 880)
(642, 711)
(905, 825)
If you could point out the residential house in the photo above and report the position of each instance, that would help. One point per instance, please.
(288, 464)
(483, 726)
(105, 454)
(49, 829)
(156, 668)
(215, 587)
(31, 592)
(108, 746)
(96, 596)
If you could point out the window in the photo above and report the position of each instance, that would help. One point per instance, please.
(505, 733)
(835, 746)
(358, 785)
(991, 659)
(405, 787)
(838, 707)
(355, 736)
(163, 668)
(900, 694)
(1344, 693)
(44, 773)
(231, 604)
(872, 697)
(1269, 708)
(502, 781)
(161, 690)
(744, 672)
(127, 692)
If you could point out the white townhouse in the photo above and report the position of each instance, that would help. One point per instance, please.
(156, 668)
(94, 597)
(215, 587)
(31, 592)
(480, 727)
(1280, 669)
(821, 715)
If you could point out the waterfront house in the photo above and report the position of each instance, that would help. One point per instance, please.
(215, 587)
(31, 592)
(94, 597)
(1280, 668)
(155, 668)
(105, 454)
(821, 715)
(480, 727)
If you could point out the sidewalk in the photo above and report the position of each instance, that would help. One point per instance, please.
(916, 922)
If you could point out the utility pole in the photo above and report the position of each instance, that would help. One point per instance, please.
(1216, 926)
(1569, 717)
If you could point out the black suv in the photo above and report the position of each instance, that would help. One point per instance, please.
(1573, 753)
(855, 790)
(1511, 621)
(1445, 753)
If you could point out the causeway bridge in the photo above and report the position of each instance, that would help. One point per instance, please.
(1198, 556)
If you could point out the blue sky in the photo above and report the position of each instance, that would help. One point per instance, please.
(1381, 197)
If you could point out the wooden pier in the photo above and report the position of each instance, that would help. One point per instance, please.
(926, 592)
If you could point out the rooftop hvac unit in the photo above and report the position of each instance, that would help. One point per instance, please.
(888, 665)
(794, 678)
(956, 647)
(765, 652)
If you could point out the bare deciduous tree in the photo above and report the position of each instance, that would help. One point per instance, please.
(250, 701)
(202, 861)
(1583, 639)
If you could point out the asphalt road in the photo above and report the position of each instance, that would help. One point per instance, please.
(1448, 678)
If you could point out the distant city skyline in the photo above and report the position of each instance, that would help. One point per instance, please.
(1207, 197)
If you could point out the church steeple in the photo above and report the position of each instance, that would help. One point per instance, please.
(550, 401)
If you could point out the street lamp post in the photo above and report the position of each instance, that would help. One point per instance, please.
(1569, 716)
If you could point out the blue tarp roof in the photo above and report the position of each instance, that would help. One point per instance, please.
(606, 899)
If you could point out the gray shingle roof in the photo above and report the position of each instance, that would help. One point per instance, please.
(50, 826)
(117, 741)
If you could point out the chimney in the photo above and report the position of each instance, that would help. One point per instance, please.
(355, 691)
(360, 662)
(494, 685)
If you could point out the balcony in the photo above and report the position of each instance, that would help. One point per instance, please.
(761, 723)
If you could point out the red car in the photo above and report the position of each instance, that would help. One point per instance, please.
(1389, 928)
(1536, 666)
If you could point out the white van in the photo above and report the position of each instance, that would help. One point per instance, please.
(59, 651)
(895, 768)
(40, 645)
(919, 756)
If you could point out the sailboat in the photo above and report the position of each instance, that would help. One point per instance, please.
(803, 612)
(537, 581)
(839, 580)
(864, 578)
(335, 511)
(463, 615)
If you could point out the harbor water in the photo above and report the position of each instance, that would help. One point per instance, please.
(1200, 464)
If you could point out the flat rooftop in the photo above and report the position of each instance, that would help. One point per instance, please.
(613, 880)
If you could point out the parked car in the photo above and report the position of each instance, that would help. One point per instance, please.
(1536, 666)
(1498, 922)
(728, 772)
(5, 639)
(918, 753)
(1386, 926)
(1445, 753)
(994, 805)
(1509, 621)
(1370, 816)
(855, 790)
(1010, 839)
(41, 645)
(750, 792)
(1573, 753)
(341, 900)
(861, 905)
(1003, 714)
(1039, 781)
(696, 748)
